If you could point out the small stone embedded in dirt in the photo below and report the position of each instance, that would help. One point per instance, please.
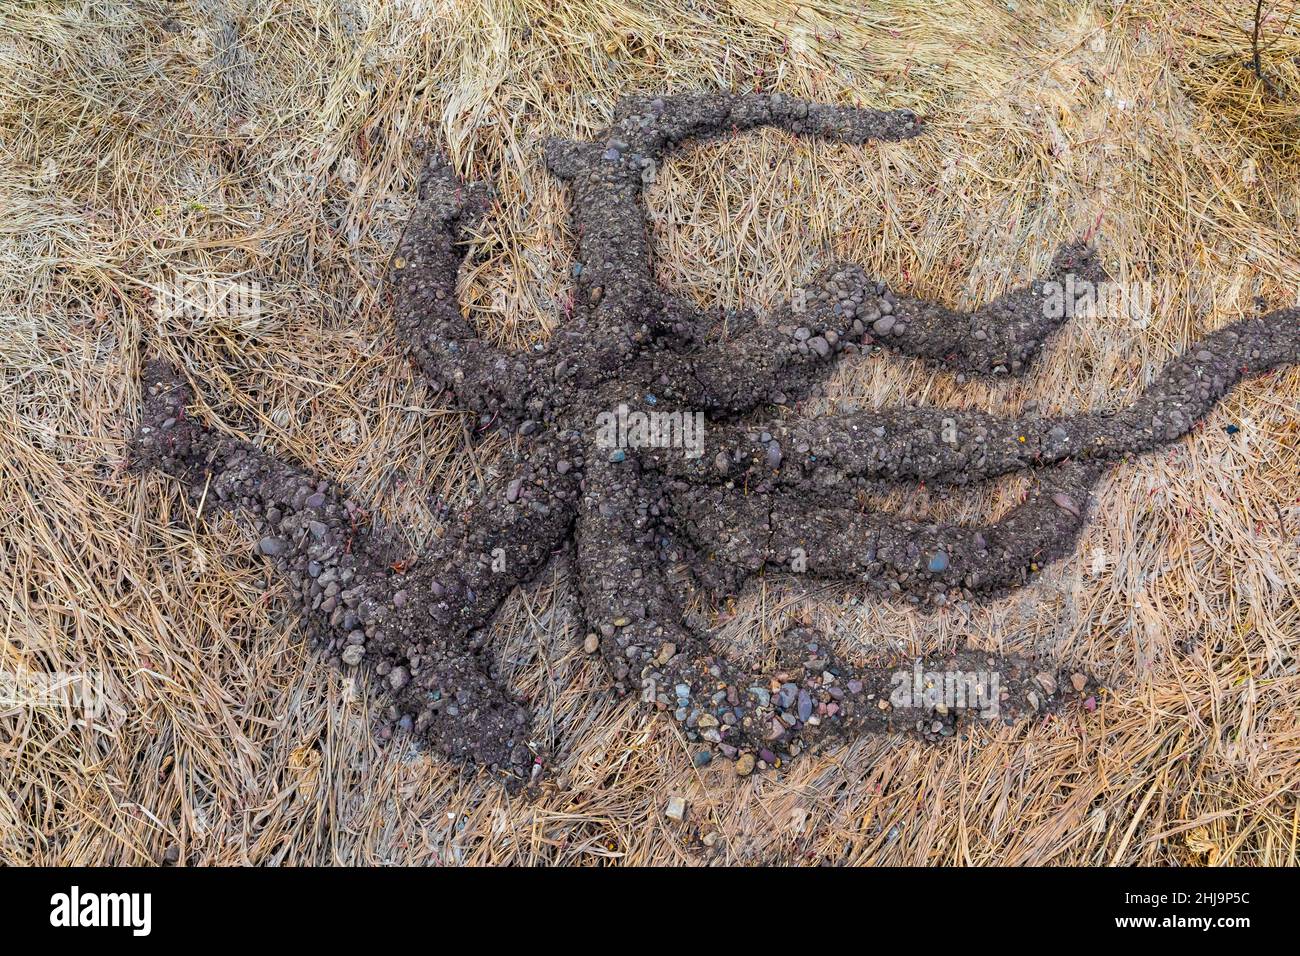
(1064, 501)
(758, 493)
(676, 809)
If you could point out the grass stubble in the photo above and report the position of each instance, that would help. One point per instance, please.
(277, 144)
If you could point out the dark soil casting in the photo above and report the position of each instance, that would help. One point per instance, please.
(649, 522)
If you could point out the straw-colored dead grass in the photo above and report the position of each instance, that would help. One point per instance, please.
(275, 141)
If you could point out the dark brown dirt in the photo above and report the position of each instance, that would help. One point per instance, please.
(778, 495)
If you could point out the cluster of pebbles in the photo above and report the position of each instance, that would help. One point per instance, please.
(647, 524)
(811, 697)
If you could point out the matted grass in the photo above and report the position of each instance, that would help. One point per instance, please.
(276, 142)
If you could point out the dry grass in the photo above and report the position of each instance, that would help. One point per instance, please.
(276, 142)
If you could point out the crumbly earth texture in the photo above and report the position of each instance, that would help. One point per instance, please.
(648, 522)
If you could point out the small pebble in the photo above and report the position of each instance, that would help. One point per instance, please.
(676, 809)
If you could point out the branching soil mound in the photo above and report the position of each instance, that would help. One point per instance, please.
(735, 499)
